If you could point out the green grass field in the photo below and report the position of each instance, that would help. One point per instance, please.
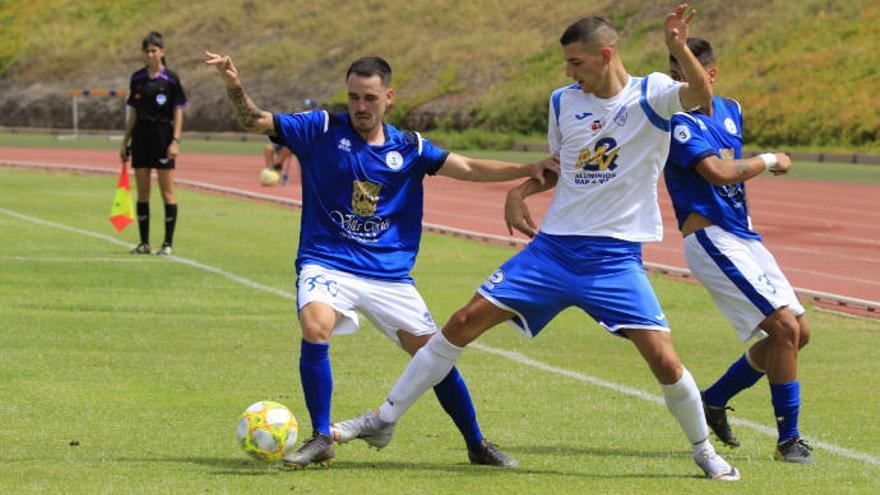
(839, 172)
(147, 363)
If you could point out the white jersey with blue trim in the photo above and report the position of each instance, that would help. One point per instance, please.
(611, 152)
(696, 136)
(362, 203)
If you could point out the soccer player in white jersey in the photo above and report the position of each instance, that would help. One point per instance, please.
(611, 131)
(360, 232)
(704, 175)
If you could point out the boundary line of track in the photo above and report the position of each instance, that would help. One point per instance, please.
(840, 302)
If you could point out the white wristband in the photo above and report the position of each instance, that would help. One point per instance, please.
(769, 160)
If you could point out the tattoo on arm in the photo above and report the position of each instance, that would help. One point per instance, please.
(246, 110)
(742, 168)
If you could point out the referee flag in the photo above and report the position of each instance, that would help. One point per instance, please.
(122, 214)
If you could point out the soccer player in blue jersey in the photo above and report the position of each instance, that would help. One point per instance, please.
(611, 131)
(361, 227)
(705, 174)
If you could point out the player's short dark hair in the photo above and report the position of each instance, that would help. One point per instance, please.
(591, 31)
(371, 66)
(701, 49)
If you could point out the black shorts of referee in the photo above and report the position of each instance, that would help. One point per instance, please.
(149, 145)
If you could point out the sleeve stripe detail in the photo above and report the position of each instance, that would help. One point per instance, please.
(326, 121)
(685, 114)
(658, 121)
(556, 98)
(419, 136)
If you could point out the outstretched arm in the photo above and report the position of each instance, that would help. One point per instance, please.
(471, 169)
(697, 91)
(250, 117)
(721, 172)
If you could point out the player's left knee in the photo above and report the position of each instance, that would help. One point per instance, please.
(783, 328)
(803, 332)
(668, 370)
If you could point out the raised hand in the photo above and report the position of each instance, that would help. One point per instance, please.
(224, 66)
(676, 28)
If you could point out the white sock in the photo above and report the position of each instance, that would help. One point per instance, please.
(683, 401)
(427, 368)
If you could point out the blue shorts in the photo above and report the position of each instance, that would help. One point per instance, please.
(601, 275)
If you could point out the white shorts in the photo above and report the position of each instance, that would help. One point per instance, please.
(742, 277)
(390, 306)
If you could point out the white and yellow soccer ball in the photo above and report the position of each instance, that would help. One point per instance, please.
(267, 431)
(269, 177)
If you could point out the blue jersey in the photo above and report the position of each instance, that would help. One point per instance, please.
(696, 136)
(362, 204)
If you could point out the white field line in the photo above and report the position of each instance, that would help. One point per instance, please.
(511, 355)
(641, 394)
(442, 229)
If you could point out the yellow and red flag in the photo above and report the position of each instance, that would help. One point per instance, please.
(122, 213)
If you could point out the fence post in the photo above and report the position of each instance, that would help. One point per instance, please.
(75, 116)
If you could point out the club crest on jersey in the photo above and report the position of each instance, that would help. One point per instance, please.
(621, 116)
(394, 160)
(365, 198)
(727, 153)
(344, 144)
(161, 99)
(681, 133)
(730, 125)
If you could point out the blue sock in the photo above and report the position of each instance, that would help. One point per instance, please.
(738, 377)
(786, 398)
(317, 383)
(456, 401)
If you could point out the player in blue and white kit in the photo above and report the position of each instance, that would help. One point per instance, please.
(611, 131)
(704, 175)
(360, 232)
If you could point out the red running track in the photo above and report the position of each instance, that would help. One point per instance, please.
(826, 236)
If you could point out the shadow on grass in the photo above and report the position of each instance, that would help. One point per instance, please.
(244, 467)
(569, 450)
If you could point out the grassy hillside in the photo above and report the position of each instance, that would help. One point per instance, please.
(806, 71)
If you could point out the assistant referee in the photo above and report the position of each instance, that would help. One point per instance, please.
(157, 99)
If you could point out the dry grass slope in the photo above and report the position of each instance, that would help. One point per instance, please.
(804, 70)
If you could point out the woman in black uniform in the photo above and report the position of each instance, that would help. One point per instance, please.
(154, 125)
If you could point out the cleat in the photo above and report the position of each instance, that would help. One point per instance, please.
(716, 418)
(316, 450)
(142, 248)
(795, 451)
(368, 426)
(715, 467)
(165, 250)
(488, 454)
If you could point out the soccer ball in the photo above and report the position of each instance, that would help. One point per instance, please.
(267, 431)
(269, 177)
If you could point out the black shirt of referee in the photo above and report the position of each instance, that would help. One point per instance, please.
(155, 100)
